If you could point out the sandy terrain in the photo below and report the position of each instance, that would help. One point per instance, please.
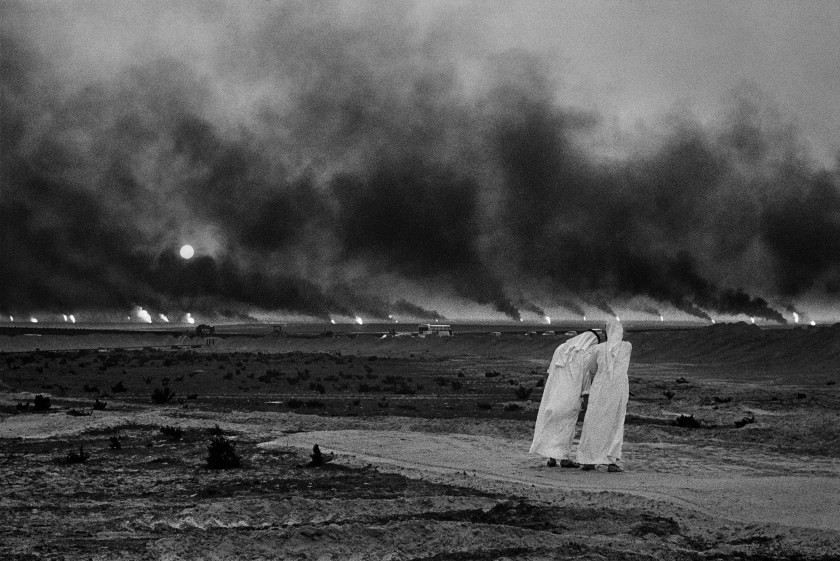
(431, 451)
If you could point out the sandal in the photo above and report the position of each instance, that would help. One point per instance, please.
(553, 463)
(569, 464)
(614, 468)
(587, 467)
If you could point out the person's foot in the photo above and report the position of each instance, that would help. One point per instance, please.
(614, 468)
(569, 464)
(552, 462)
(587, 467)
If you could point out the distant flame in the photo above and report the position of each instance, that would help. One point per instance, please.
(795, 317)
(661, 317)
(752, 319)
(33, 320)
(189, 319)
(11, 318)
(72, 318)
(142, 314)
(163, 318)
(548, 320)
(617, 318)
(64, 316)
(584, 318)
(359, 320)
(332, 321)
(813, 322)
(713, 321)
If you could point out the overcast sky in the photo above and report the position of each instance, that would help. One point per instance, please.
(575, 154)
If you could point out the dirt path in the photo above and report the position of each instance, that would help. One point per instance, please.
(794, 500)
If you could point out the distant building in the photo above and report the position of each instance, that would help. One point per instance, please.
(439, 329)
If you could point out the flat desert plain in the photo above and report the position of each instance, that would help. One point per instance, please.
(732, 449)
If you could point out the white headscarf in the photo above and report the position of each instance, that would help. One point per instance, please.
(615, 334)
(567, 351)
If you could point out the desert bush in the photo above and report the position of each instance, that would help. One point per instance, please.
(221, 454)
(405, 389)
(90, 389)
(294, 403)
(456, 385)
(512, 407)
(172, 433)
(688, 421)
(313, 403)
(461, 374)
(100, 405)
(119, 387)
(216, 431)
(492, 374)
(383, 403)
(162, 395)
(317, 386)
(115, 443)
(745, 421)
(79, 413)
(77, 458)
(540, 383)
(364, 387)
(484, 405)
(41, 403)
(523, 392)
(717, 399)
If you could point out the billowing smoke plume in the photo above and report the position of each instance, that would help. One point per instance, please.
(311, 157)
(406, 308)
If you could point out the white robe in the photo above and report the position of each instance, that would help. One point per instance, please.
(602, 436)
(554, 431)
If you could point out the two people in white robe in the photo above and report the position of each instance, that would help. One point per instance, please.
(569, 374)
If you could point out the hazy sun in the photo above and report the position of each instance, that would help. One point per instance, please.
(187, 251)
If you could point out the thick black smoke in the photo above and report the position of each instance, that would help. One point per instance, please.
(404, 307)
(316, 162)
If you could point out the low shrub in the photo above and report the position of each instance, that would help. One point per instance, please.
(492, 374)
(77, 458)
(162, 395)
(115, 443)
(745, 421)
(294, 403)
(523, 392)
(221, 454)
(119, 387)
(172, 433)
(100, 405)
(484, 405)
(41, 403)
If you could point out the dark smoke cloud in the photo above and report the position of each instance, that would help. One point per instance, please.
(316, 158)
(531, 307)
(404, 307)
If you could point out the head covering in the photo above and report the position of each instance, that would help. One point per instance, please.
(566, 352)
(615, 333)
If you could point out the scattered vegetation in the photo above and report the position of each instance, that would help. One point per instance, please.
(222, 454)
(99, 405)
(162, 395)
(523, 393)
(492, 373)
(115, 442)
(171, 432)
(79, 457)
(745, 421)
(119, 387)
(41, 403)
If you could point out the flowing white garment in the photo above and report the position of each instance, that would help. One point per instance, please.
(602, 436)
(554, 431)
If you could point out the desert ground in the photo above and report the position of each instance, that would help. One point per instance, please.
(732, 449)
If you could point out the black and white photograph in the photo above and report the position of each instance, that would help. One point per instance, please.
(419, 280)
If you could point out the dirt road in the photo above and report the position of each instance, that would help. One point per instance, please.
(795, 500)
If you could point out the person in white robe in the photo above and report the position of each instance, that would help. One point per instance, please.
(602, 436)
(568, 373)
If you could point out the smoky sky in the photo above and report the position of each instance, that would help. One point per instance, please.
(341, 158)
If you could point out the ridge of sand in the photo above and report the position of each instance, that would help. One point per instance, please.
(807, 502)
